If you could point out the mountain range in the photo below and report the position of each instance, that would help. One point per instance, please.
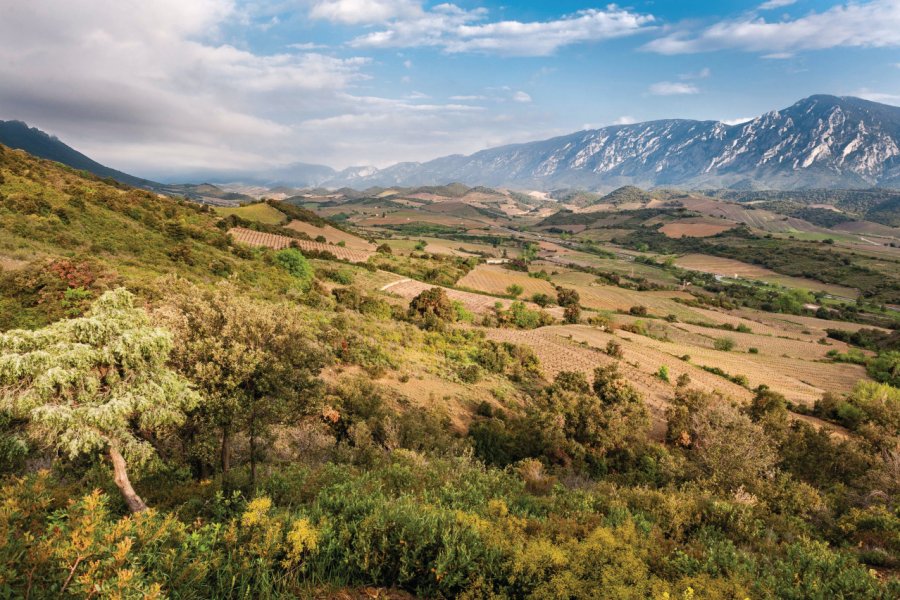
(819, 142)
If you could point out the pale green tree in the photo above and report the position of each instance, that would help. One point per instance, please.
(96, 384)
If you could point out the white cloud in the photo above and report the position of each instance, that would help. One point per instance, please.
(456, 30)
(773, 4)
(737, 121)
(407, 64)
(875, 96)
(673, 88)
(857, 24)
(307, 46)
(625, 120)
(521, 97)
(471, 98)
(357, 12)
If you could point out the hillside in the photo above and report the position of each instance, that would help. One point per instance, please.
(207, 403)
(820, 141)
(17, 134)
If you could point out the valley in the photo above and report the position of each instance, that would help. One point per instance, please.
(554, 349)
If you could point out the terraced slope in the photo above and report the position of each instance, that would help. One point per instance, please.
(278, 242)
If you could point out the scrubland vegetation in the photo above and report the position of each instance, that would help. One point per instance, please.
(184, 416)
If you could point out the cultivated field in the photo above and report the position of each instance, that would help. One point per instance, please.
(727, 267)
(332, 235)
(608, 297)
(278, 242)
(261, 213)
(477, 303)
(579, 348)
(695, 228)
(494, 279)
(800, 380)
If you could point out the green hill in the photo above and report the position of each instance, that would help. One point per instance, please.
(298, 433)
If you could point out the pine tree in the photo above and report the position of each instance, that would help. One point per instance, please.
(96, 384)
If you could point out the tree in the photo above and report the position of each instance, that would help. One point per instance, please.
(542, 300)
(255, 363)
(572, 314)
(567, 297)
(432, 306)
(96, 383)
(724, 445)
(572, 420)
(293, 261)
(384, 249)
(514, 290)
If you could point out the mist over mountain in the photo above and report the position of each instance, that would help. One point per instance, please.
(20, 136)
(821, 141)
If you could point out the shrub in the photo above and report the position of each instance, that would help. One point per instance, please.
(567, 297)
(614, 349)
(384, 249)
(663, 373)
(520, 316)
(341, 276)
(542, 300)
(638, 310)
(514, 290)
(293, 261)
(572, 314)
(432, 307)
(723, 344)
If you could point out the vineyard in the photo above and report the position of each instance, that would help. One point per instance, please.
(494, 279)
(332, 235)
(279, 242)
(694, 228)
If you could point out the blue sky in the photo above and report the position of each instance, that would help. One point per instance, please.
(169, 87)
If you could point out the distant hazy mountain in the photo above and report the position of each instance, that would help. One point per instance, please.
(295, 175)
(821, 141)
(19, 135)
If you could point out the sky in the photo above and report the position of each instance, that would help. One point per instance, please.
(165, 88)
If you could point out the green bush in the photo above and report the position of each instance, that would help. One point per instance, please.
(293, 261)
(723, 344)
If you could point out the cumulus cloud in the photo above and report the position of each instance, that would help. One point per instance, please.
(161, 89)
(673, 88)
(858, 24)
(141, 84)
(356, 12)
(456, 30)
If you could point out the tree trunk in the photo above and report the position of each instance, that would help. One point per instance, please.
(134, 502)
(252, 458)
(226, 450)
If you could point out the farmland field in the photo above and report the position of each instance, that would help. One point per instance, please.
(260, 212)
(332, 235)
(278, 242)
(727, 267)
(694, 228)
(477, 303)
(494, 279)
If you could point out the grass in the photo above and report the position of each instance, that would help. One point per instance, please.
(259, 212)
